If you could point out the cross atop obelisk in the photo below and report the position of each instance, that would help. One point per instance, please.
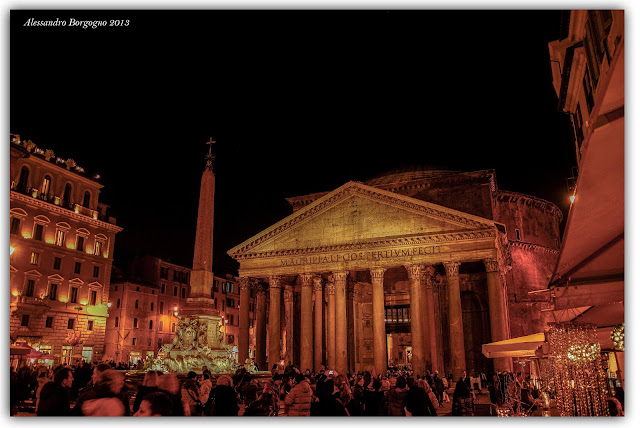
(210, 157)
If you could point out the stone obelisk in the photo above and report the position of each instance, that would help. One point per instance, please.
(199, 303)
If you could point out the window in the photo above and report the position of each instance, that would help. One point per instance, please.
(80, 243)
(230, 318)
(35, 257)
(49, 322)
(53, 291)
(133, 341)
(149, 342)
(30, 288)
(161, 308)
(135, 323)
(93, 297)
(57, 261)
(87, 353)
(118, 303)
(86, 200)
(160, 325)
(38, 231)
(173, 327)
(216, 287)
(230, 339)
(15, 225)
(61, 236)
(215, 303)
(74, 295)
(116, 322)
(70, 323)
(137, 288)
(137, 304)
(230, 303)
(97, 249)
(160, 342)
(183, 292)
(175, 275)
(77, 267)
(90, 325)
(175, 291)
(518, 234)
(46, 186)
(115, 288)
(22, 181)
(96, 271)
(150, 324)
(163, 288)
(164, 272)
(25, 320)
(151, 307)
(66, 197)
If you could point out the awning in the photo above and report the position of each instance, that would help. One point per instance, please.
(524, 346)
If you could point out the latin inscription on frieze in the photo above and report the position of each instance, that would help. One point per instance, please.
(360, 256)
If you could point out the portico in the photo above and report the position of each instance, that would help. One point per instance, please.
(349, 253)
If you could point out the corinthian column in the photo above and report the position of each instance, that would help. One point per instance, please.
(261, 327)
(317, 338)
(288, 316)
(342, 363)
(243, 340)
(331, 324)
(456, 330)
(275, 288)
(431, 345)
(497, 311)
(417, 345)
(379, 332)
(306, 321)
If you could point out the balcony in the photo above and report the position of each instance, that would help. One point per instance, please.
(58, 201)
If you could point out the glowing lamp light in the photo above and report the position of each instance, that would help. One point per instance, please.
(175, 308)
(572, 198)
(15, 293)
(175, 313)
(49, 240)
(71, 246)
(109, 305)
(617, 337)
(26, 235)
(64, 299)
(83, 302)
(11, 250)
(77, 209)
(95, 215)
(89, 250)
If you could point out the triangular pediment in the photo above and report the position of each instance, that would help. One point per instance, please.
(357, 213)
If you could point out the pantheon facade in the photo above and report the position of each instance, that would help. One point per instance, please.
(416, 266)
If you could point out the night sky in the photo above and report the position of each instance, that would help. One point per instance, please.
(299, 102)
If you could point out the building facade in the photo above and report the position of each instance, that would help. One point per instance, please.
(416, 266)
(62, 242)
(146, 301)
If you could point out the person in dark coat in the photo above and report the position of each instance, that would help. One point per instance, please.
(328, 405)
(88, 392)
(418, 402)
(462, 404)
(398, 397)
(54, 397)
(439, 387)
(374, 400)
(226, 399)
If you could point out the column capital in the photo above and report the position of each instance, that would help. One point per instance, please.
(258, 286)
(331, 288)
(452, 268)
(377, 274)
(275, 281)
(340, 278)
(414, 271)
(317, 283)
(305, 279)
(244, 283)
(491, 265)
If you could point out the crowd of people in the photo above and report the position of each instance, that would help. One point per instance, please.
(100, 390)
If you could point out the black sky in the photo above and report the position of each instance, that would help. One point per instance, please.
(299, 102)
